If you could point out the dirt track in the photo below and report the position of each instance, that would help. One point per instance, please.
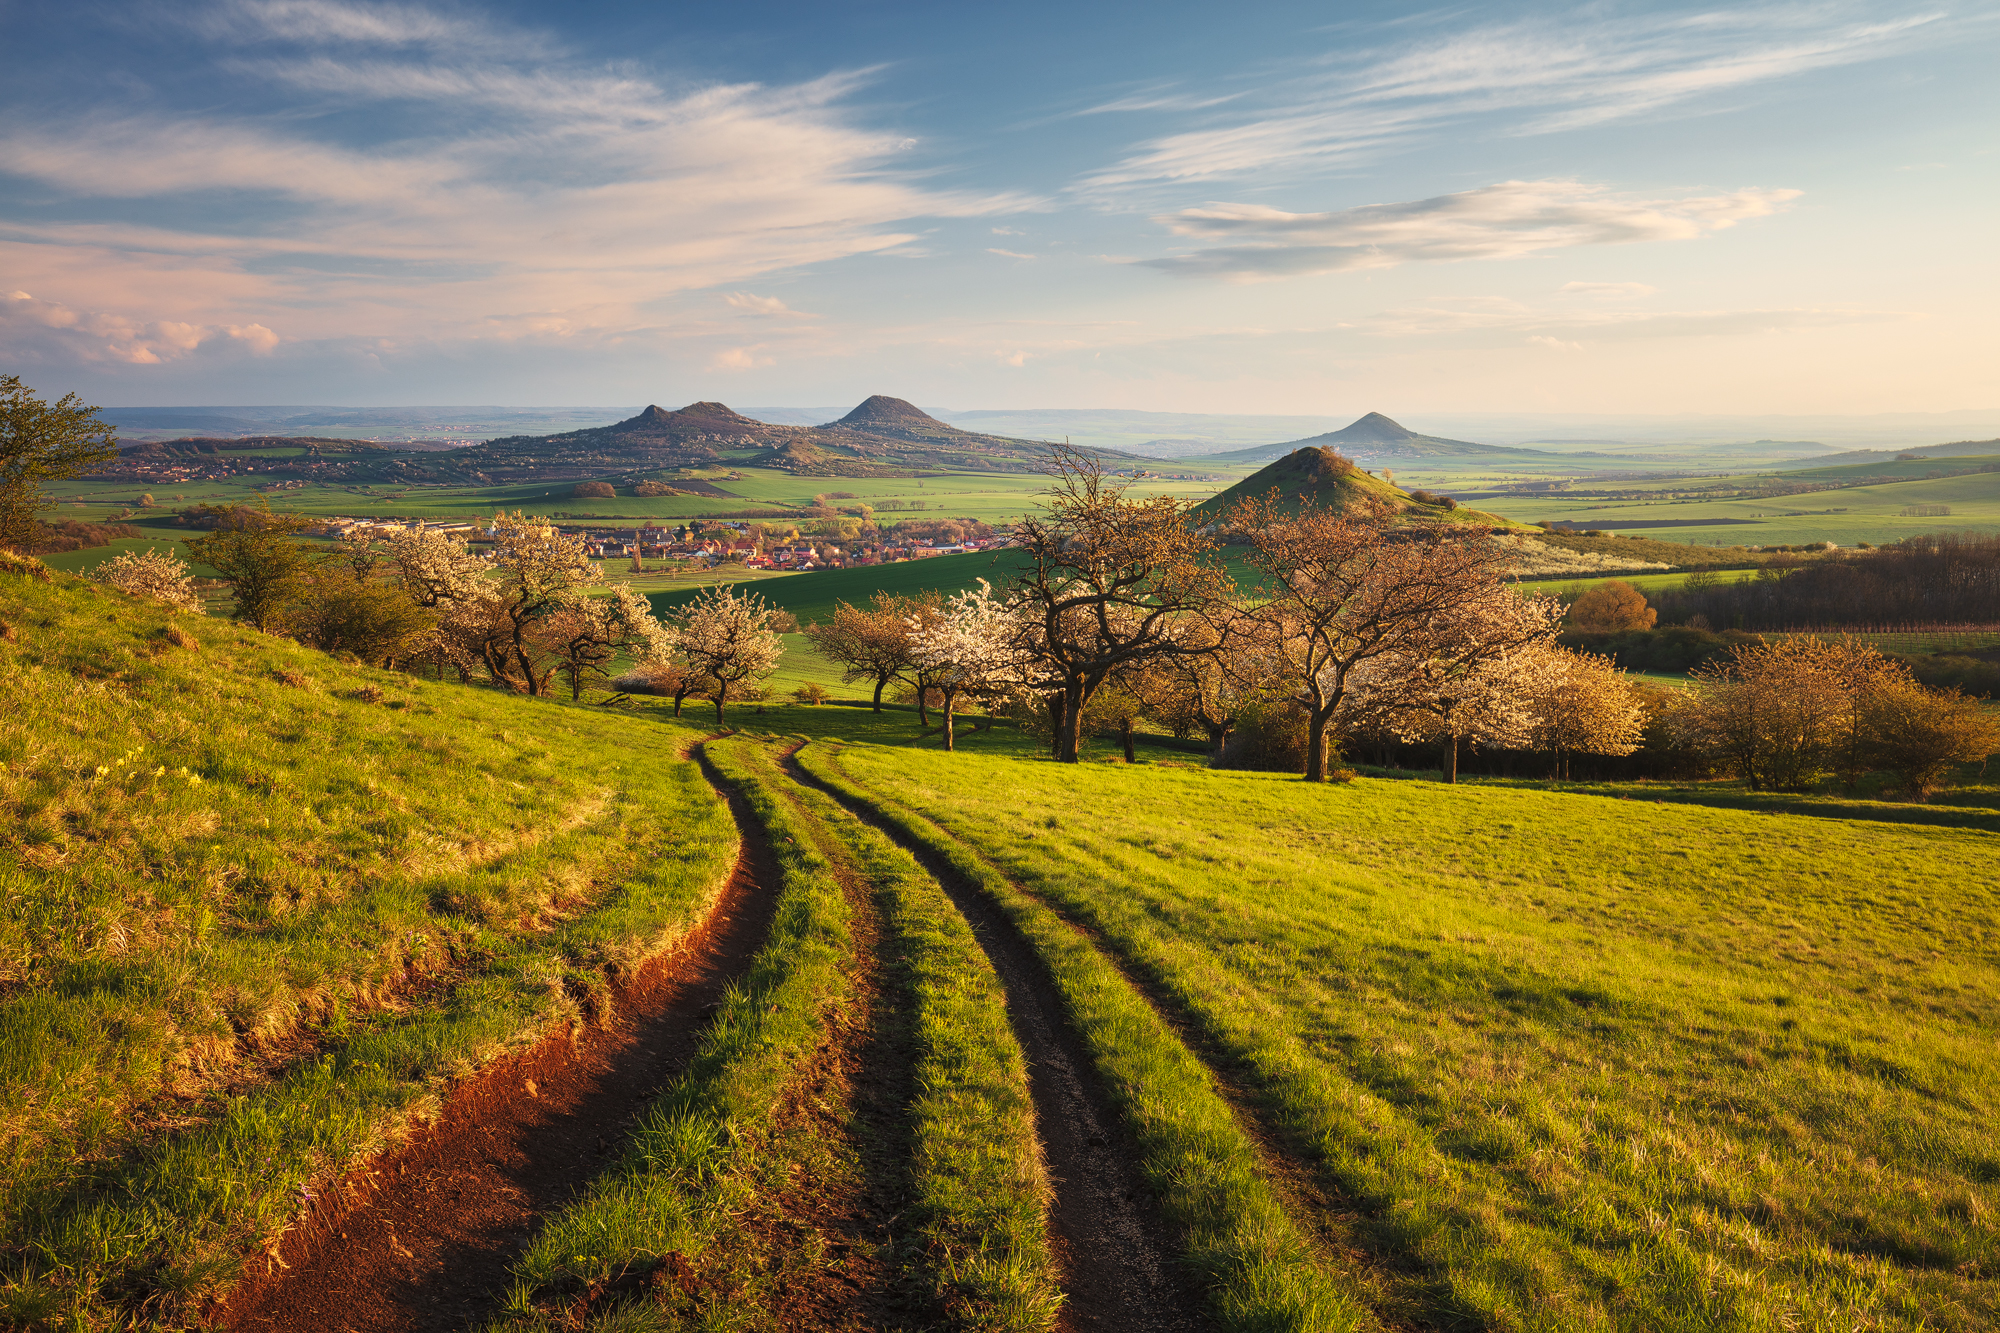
(422, 1238)
(1118, 1270)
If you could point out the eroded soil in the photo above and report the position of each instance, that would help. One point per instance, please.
(422, 1238)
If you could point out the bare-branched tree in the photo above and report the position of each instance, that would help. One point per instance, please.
(1344, 588)
(1110, 583)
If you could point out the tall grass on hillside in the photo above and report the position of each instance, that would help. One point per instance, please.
(260, 905)
(1581, 1063)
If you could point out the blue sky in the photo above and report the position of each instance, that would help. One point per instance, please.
(1273, 207)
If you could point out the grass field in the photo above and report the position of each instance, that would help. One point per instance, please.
(1566, 1063)
(1389, 1054)
(249, 933)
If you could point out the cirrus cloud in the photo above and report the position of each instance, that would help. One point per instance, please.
(519, 192)
(1503, 221)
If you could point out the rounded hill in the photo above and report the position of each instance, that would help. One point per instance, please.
(882, 410)
(1330, 480)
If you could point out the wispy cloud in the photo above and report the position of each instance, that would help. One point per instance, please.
(1501, 221)
(1498, 321)
(763, 305)
(1009, 254)
(515, 191)
(1535, 77)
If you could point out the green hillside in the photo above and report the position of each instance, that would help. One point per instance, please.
(1332, 482)
(1544, 1060)
(813, 596)
(261, 907)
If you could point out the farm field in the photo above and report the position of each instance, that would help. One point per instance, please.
(1844, 516)
(990, 497)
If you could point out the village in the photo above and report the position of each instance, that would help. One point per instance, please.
(698, 544)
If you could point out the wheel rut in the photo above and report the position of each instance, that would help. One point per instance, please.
(422, 1238)
(1117, 1263)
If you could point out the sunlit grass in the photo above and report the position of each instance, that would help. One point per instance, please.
(234, 865)
(1581, 1062)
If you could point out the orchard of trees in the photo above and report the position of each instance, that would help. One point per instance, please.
(535, 613)
(1360, 632)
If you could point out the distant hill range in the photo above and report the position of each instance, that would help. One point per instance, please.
(1957, 449)
(1331, 480)
(1376, 438)
(883, 436)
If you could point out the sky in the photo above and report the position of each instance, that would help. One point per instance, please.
(1266, 207)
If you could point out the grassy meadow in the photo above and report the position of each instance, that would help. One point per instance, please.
(260, 909)
(1387, 1054)
(1558, 1063)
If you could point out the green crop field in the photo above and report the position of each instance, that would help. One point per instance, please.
(993, 497)
(1844, 516)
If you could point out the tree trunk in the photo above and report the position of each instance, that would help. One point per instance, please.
(1451, 758)
(923, 706)
(1068, 739)
(881, 683)
(1057, 712)
(950, 737)
(721, 695)
(1125, 734)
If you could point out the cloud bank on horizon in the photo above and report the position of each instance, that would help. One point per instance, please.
(326, 200)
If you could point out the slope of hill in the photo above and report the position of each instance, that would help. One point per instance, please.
(1331, 480)
(1376, 438)
(882, 436)
(1898, 462)
(264, 907)
(311, 457)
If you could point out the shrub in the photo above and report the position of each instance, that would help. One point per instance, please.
(1922, 735)
(593, 490)
(162, 576)
(1611, 607)
(649, 489)
(812, 692)
(69, 535)
(1269, 736)
(1974, 675)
